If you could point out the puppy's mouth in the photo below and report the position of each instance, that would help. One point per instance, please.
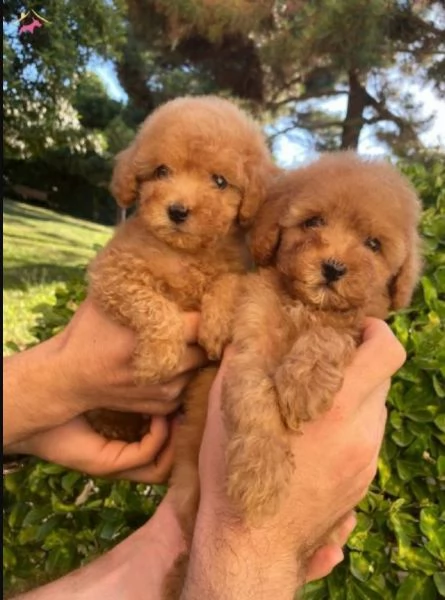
(326, 295)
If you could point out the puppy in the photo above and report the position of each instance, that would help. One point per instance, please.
(198, 170)
(335, 241)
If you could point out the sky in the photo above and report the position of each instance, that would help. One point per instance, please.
(293, 150)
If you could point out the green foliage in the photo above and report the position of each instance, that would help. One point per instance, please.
(56, 520)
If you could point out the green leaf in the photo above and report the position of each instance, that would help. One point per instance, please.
(36, 515)
(316, 590)
(69, 480)
(439, 387)
(9, 558)
(52, 469)
(439, 580)
(416, 559)
(407, 469)
(59, 560)
(18, 513)
(110, 530)
(360, 567)
(49, 525)
(361, 591)
(440, 422)
(403, 437)
(441, 466)
(415, 587)
(429, 291)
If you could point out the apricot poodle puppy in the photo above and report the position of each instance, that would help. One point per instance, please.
(335, 241)
(197, 170)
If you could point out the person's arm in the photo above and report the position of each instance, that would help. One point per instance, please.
(337, 461)
(88, 365)
(336, 458)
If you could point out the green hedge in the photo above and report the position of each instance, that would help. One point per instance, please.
(55, 520)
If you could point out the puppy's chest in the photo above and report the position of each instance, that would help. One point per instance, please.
(185, 281)
(305, 320)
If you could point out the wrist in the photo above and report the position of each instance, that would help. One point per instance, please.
(230, 561)
(34, 393)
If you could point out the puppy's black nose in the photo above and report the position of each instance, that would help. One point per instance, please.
(177, 212)
(332, 270)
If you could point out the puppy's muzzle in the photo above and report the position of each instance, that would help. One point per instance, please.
(177, 213)
(333, 270)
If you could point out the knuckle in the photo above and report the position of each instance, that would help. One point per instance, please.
(172, 390)
(166, 391)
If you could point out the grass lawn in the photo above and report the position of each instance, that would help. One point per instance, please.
(40, 249)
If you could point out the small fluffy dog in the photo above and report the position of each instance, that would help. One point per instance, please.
(198, 170)
(335, 241)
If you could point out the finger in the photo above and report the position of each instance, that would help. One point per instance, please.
(162, 399)
(191, 326)
(323, 562)
(160, 469)
(194, 358)
(374, 362)
(380, 354)
(343, 530)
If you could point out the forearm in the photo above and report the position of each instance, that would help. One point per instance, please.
(32, 392)
(133, 570)
(231, 563)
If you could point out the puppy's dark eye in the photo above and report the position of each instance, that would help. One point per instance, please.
(313, 222)
(220, 181)
(161, 172)
(373, 244)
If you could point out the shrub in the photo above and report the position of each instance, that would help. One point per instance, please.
(55, 520)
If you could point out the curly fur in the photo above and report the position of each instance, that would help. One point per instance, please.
(296, 331)
(155, 267)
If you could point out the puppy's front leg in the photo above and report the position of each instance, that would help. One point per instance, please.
(126, 290)
(217, 310)
(259, 460)
(311, 374)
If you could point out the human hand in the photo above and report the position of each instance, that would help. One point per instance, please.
(95, 355)
(77, 446)
(86, 366)
(336, 458)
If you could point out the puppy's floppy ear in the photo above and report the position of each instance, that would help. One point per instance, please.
(258, 177)
(265, 234)
(124, 183)
(401, 286)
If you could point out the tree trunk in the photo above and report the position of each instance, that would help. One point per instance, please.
(354, 115)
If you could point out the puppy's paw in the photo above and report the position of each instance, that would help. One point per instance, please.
(156, 361)
(259, 469)
(310, 376)
(116, 425)
(213, 336)
(307, 397)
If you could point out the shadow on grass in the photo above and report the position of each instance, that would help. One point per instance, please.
(23, 211)
(54, 239)
(22, 277)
